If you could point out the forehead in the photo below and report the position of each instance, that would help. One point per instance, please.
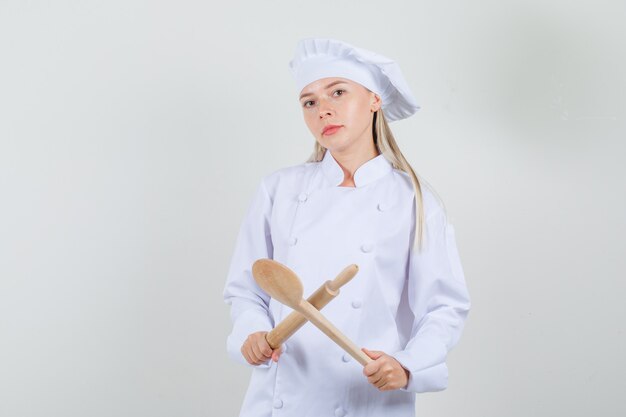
(324, 83)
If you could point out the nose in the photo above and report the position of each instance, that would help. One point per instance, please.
(325, 109)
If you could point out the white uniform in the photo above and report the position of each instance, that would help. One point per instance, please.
(300, 217)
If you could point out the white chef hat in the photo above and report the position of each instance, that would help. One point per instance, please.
(317, 58)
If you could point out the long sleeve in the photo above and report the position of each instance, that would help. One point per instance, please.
(249, 303)
(440, 301)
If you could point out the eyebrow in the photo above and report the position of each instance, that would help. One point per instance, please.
(328, 86)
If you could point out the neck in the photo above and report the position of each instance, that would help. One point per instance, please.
(351, 159)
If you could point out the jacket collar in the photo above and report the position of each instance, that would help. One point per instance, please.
(368, 172)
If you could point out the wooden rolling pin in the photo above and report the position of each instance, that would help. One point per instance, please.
(320, 298)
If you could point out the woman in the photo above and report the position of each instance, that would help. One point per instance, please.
(356, 200)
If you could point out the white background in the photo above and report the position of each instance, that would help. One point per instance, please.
(133, 133)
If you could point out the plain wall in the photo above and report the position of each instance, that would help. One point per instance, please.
(133, 133)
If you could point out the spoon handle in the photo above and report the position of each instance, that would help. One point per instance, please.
(331, 331)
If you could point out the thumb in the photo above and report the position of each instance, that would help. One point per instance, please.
(374, 354)
(276, 353)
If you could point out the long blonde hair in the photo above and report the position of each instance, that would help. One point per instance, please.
(386, 145)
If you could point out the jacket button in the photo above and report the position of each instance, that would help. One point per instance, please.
(340, 412)
(278, 403)
(367, 247)
(302, 197)
(292, 241)
(356, 304)
(382, 207)
(346, 357)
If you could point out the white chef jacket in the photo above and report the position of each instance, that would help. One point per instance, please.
(410, 304)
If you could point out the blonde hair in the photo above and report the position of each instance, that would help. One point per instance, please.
(386, 145)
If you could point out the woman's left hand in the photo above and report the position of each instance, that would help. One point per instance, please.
(385, 372)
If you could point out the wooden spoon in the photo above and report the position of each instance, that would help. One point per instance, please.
(284, 285)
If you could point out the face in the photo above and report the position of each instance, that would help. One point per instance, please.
(339, 102)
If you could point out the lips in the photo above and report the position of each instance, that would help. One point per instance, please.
(330, 129)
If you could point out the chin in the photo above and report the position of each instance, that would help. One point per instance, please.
(334, 142)
(336, 147)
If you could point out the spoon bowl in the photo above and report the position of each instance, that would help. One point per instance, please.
(278, 281)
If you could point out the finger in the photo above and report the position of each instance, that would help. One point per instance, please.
(384, 379)
(251, 357)
(256, 352)
(276, 353)
(375, 379)
(259, 361)
(394, 381)
(246, 355)
(374, 354)
(371, 368)
(380, 383)
(264, 347)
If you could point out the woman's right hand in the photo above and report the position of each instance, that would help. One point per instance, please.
(256, 350)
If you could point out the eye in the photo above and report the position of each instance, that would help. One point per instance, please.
(306, 102)
(340, 90)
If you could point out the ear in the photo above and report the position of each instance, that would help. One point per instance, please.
(375, 102)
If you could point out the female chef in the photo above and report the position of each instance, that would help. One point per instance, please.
(356, 200)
